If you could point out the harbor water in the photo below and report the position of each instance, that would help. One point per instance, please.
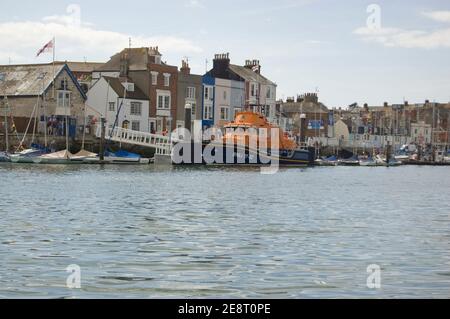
(156, 232)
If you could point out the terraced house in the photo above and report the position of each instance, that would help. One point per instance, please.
(156, 79)
(230, 88)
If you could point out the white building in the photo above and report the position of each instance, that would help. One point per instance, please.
(110, 96)
(421, 133)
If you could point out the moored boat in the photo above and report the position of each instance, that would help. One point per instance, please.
(28, 156)
(352, 161)
(4, 157)
(326, 161)
(119, 157)
(246, 141)
(62, 157)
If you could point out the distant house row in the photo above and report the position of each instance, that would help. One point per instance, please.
(152, 95)
(137, 90)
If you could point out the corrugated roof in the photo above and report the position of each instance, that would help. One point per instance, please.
(116, 85)
(249, 75)
(25, 80)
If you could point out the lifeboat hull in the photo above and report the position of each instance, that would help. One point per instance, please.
(210, 154)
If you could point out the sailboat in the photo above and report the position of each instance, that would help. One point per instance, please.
(28, 155)
(4, 157)
(61, 157)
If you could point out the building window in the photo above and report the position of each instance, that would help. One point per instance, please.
(168, 124)
(158, 59)
(136, 108)
(208, 93)
(159, 124)
(190, 93)
(269, 93)
(193, 109)
(63, 99)
(166, 79)
(135, 126)
(154, 78)
(208, 114)
(224, 113)
(254, 89)
(112, 106)
(164, 102)
(224, 95)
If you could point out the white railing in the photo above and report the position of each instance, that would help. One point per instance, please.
(161, 143)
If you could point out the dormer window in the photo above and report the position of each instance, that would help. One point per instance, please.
(157, 59)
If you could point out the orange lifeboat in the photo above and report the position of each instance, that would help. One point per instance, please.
(238, 132)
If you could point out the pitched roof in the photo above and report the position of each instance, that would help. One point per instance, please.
(116, 85)
(305, 107)
(138, 59)
(84, 67)
(31, 79)
(249, 75)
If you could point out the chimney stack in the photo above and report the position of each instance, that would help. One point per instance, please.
(253, 65)
(185, 69)
(220, 64)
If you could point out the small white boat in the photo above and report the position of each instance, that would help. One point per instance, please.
(381, 161)
(4, 157)
(26, 156)
(120, 157)
(329, 161)
(82, 155)
(62, 157)
(368, 162)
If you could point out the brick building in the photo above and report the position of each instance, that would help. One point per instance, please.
(158, 80)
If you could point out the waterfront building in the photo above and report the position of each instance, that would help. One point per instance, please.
(230, 88)
(120, 101)
(208, 100)
(189, 91)
(158, 80)
(310, 118)
(46, 94)
(421, 133)
(82, 72)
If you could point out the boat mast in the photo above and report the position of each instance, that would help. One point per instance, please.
(67, 117)
(5, 101)
(42, 77)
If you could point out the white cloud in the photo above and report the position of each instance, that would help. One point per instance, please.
(441, 16)
(75, 40)
(397, 37)
(195, 4)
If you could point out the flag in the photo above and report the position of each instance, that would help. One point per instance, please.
(49, 46)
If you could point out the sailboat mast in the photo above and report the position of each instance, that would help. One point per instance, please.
(6, 125)
(66, 111)
(43, 110)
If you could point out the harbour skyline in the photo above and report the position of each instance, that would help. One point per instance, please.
(295, 44)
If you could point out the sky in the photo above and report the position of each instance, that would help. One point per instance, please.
(347, 51)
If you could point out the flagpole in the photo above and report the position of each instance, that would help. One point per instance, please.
(54, 48)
